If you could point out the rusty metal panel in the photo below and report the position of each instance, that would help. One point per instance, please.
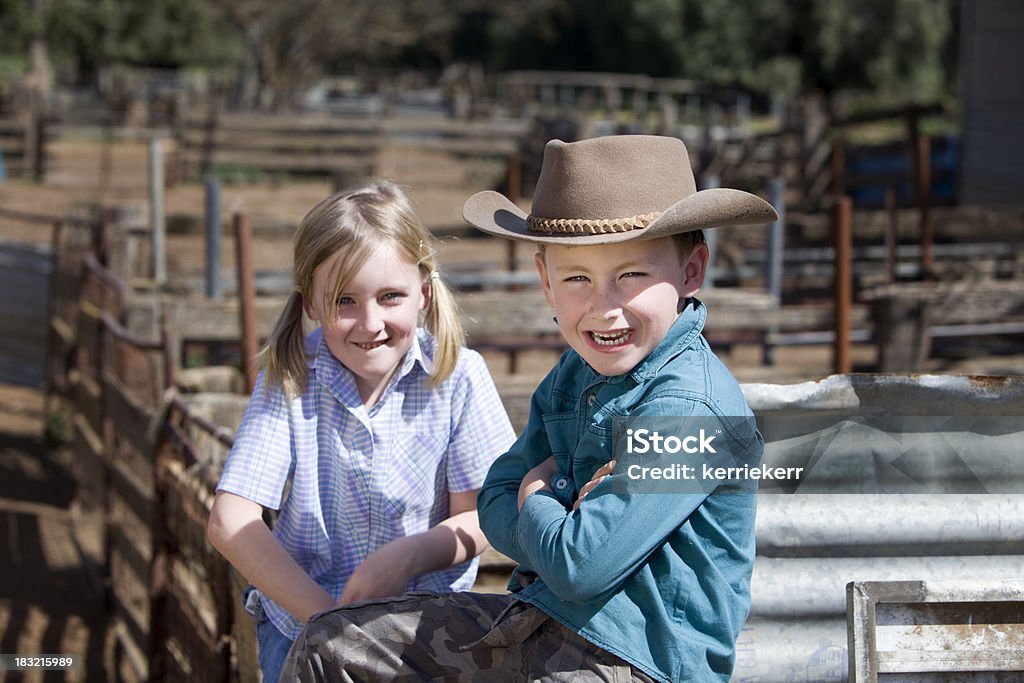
(811, 545)
(903, 629)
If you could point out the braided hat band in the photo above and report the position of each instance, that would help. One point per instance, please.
(588, 226)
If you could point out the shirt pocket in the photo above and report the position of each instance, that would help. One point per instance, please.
(417, 478)
(561, 432)
(594, 450)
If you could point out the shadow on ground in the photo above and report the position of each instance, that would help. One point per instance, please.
(50, 601)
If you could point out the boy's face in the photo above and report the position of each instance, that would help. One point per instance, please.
(615, 303)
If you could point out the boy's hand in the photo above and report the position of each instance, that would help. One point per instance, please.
(537, 479)
(602, 472)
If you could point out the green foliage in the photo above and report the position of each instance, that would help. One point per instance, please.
(904, 47)
(82, 35)
(893, 46)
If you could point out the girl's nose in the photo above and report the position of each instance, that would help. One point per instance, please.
(373, 319)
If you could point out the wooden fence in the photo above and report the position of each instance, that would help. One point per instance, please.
(143, 492)
(23, 145)
(339, 148)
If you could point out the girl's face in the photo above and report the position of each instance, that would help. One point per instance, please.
(373, 322)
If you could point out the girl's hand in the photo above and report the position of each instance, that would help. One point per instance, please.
(384, 573)
(602, 472)
(537, 479)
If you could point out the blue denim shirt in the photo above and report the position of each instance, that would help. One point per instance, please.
(659, 579)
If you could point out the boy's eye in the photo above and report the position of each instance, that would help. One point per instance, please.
(634, 273)
(576, 278)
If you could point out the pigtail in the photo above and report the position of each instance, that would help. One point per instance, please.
(442, 320)
(284, 355)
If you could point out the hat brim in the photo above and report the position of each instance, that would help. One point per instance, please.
(493, 213)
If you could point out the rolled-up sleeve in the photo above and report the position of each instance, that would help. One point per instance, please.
(261, 459)
(481, 430)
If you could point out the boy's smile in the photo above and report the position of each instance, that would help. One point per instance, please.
(615, 304)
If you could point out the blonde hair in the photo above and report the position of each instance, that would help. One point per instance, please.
(352, 224)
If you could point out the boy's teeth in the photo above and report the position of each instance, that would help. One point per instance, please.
(609, 339)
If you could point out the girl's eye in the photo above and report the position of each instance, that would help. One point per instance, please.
(344, 301)
(392, 298)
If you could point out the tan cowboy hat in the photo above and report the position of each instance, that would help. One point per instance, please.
(614, 189)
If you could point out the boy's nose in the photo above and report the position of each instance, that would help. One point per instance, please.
(606, 303)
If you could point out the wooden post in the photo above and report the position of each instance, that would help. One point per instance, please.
(922, 190)
(776, 245)
(843, 240)
(891, 233)
(157, 219)
(838, 167)
(515, 185)
(514, 191)
(214, 290)
(107, 156)
(711, 182)
(246, 298)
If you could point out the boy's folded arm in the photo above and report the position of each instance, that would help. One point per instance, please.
(497, 502)
(586, 555)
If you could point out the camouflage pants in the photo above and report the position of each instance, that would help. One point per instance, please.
(465, 637)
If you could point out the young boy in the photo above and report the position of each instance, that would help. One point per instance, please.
(630, 568)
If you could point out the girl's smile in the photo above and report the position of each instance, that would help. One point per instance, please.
(372, 323)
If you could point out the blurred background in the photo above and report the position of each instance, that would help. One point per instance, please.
(156, 156)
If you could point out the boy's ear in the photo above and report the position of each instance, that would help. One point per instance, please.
(545, 282)
(694, 270)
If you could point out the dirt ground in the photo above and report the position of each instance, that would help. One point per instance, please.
(50, 602)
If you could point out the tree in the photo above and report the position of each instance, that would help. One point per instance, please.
(893, 46)
(288, 42)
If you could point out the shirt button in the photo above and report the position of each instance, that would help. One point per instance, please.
(561, 483)
(591, 399)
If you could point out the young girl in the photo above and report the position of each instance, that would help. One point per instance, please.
(383, 430)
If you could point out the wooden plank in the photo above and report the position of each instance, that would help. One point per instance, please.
(285, 162)
(137, 496)
(87, 400)
(132, 639)
(137, 560)
(318, 143)
(217, 320)
(90, 462)
(132, 419)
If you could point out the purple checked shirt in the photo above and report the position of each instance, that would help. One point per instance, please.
(360, 478)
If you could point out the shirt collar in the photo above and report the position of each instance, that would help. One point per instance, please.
(681, 334)
(340, 381)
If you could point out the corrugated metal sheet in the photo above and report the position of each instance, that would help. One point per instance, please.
(25, 285)
(811, 545)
